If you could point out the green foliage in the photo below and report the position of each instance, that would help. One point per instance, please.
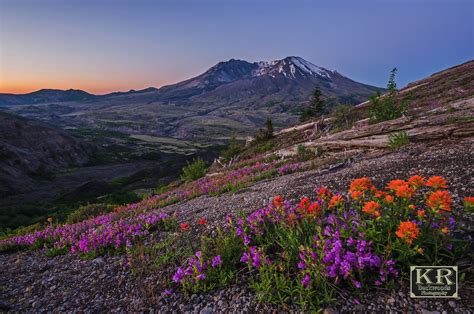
(344, 118)
(269, 128)
(88, 211)
(232, 150)
(266, 134)
(228, 247)
(265, 147)
(316, 108)
(273, 285)
(194, 170)
(303, 153)
(460, 120)
(397, 140)
(387, 107)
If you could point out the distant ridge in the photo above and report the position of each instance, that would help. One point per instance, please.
(267, 76)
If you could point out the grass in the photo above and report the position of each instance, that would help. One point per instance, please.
(397, 140)
(460, 120)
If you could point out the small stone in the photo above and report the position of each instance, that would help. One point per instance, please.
(391, 301)
(206, 310)
(330, 310)
(452, 304)
(98, 261)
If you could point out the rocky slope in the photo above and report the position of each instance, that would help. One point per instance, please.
(33, 282)
(31, 150)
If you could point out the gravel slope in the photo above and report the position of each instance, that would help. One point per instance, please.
(32, 282)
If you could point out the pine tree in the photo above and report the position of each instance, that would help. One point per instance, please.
(269, 130)
(316, 108)
(392, 85)
(317, 104)
(389, 106)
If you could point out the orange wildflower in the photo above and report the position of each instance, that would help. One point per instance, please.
(401, 188)
(389, 198)
(408, 231)
(314, 208)
(371, 208)
(445, 230)
(291, 218)
(304, 203)
(411, 206)
(420, 250)
(356, 194)
(202, 221)
(416, 181)
(379, 193)
(360, 184)
(469, 200)
(335, 201)
(184, 226)
(278, 200)
(323, 193)
(437, 182)
(439, 200)
(395, 184)
(404, 191)
(420, 213)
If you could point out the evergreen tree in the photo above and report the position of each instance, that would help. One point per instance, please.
(317, 104)
(389, 106)
(269, 130)
(392, 85)
(316, 108)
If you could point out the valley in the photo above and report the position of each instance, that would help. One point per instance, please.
(140, 140)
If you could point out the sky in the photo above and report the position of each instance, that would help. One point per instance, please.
(117, 45)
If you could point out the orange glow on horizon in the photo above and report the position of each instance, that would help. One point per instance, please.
(93, 89)
(23, 83)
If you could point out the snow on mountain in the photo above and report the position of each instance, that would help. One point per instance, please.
(291, 67)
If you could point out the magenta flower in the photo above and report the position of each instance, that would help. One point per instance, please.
(216, 261)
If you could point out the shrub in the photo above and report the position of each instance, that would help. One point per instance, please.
(194, 170)
(213, 266)
(344, 118)
(303, 153)
(232, 150)
(387, 107)
(397, 140)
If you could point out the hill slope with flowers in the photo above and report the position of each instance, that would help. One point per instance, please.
(285, 229)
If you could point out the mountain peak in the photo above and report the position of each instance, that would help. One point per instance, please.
(292, 67)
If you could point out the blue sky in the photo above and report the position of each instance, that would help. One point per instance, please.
(109, 45)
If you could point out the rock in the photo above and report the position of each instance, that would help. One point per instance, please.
(452, 304)
(4, 306)
(206, 310)
(330, 310)
(98, 261)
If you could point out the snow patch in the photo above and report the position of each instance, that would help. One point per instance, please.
(290, 67)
